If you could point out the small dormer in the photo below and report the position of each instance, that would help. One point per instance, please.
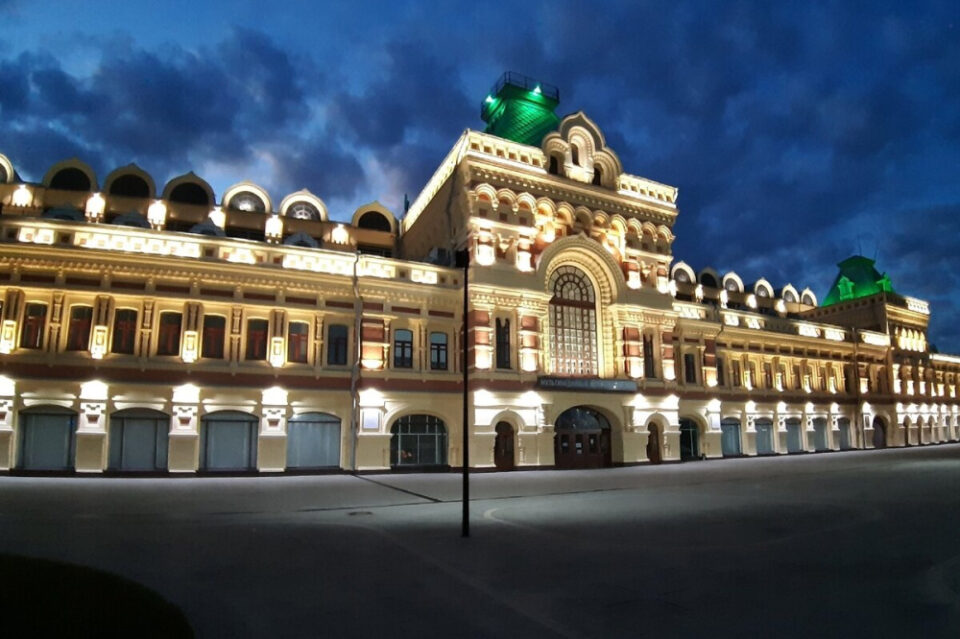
(578, 151)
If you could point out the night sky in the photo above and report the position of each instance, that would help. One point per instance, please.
(797, 134)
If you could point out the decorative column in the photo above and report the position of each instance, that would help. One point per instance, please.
(8, 397)
(272, 443)
(92, 427)
(184, 452)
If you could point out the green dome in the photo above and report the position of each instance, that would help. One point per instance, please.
(857, 278)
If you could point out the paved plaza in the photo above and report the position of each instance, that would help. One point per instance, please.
(838, 544)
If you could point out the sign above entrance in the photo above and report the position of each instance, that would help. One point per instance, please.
(588, 384)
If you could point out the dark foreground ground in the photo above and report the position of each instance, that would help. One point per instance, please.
(862, 544)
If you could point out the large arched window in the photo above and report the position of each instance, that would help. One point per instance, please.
(574, 317)
(418, 440)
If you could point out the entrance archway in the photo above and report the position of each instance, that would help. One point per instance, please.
(844, 425)
(764, 428)
(689, 439)
(138, 440)
(730, 437)
(794, 436)
(313, 441)
(820, 439)
(654, 448)
(228, 441)
(581, 439)
(879, 433)
(503, 447)
(47, 438)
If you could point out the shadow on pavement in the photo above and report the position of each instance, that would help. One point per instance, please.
(40, 597)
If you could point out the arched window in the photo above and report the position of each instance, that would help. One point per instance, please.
(70, 179)
(130, 185)
(418, 440)
(575, 154)
(374, 221)
(190, 193)
(303, 211)
(574, 318)
(554, 165)
(247, 201)
(597, 175)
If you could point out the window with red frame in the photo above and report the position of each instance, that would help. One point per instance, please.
(214, 331)
(168, 338)
(297, 334)
(257, 339)
(78, 333)
(124, 331)
(31, 335)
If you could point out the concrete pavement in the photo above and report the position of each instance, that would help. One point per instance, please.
(859, 543)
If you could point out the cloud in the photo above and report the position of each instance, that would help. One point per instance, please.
(792, 130)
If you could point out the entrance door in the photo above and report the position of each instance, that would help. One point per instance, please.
(138, 440)
(844, 425)
(503, 447)
(228, 441)
(47, 438)
(794, 437)
(313, 441)
(689, 440)
(764, 429)
(582, 439)
(654, 455)
(820, 434)
(879, 433)
(730, 438)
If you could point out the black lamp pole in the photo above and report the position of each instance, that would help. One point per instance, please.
(464, 258)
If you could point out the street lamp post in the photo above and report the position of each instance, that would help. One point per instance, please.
(463, 258)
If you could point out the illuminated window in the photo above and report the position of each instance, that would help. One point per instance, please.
(124, 331)
(297, 344)
(402, 348)
(257, 339)
(574, 315)
(735, 376)
(303, 211)
(690, 368)
(78, 333)
(503, 343)
(649, 363)
(337, 345)
(168, 338)
(214, 329)
(31, 336)
(438, 351)
(418, 440)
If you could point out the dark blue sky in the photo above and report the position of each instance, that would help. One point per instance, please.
(796, 132)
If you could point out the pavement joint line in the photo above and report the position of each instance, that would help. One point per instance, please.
(402, 490)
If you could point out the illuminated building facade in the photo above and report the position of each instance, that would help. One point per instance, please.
(165, 331)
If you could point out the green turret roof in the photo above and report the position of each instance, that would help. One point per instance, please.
(857, 278)
(521, 109)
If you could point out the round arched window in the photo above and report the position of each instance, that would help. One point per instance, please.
(247, 201)
(374, 221)
(303, 211)
(788, 296)
(682, 276)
